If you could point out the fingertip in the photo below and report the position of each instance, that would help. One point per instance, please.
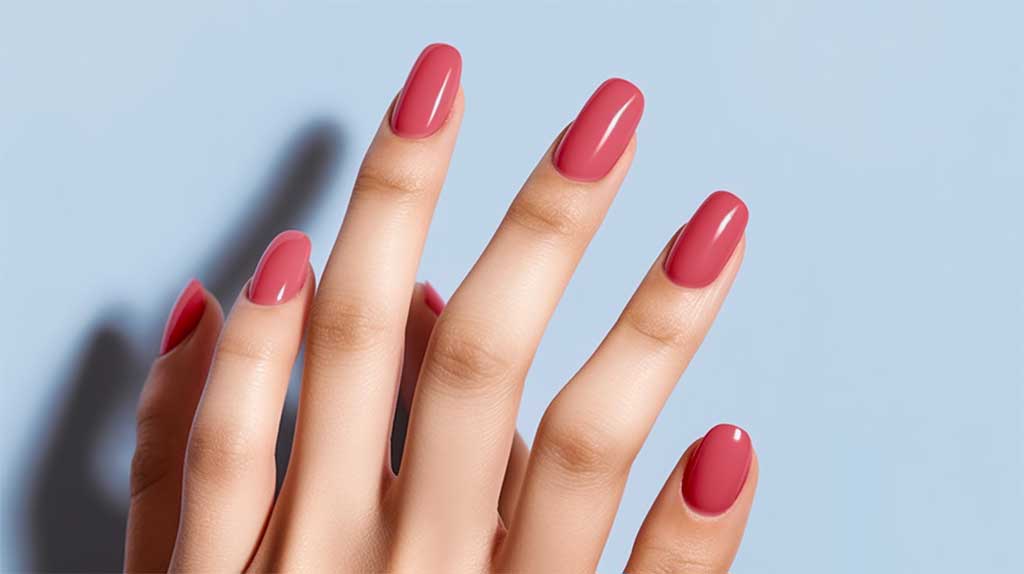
(704, 528)
(283, 269)
(601, 132)
(432, 298)
(187, 311)
(425, 102)
(196, 314)
(717, 469)
(708, 241)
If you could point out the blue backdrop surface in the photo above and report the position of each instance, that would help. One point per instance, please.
(872, 345)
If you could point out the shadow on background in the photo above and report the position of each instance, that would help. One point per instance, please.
(74, 524)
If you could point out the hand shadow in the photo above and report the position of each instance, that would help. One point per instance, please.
(74, 525)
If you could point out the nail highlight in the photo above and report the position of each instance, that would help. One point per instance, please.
(705, 245)
(432, 298)
(185, 315)
(601, 131)
(717, 471)
(429, 92)
(282, 269)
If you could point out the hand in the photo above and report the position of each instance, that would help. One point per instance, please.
(468, 495)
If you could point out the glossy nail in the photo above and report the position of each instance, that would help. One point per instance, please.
(717, 471)
(704, 246)
(282, 269)
(185, 315)
(432, 298)
(601, 131)
(429, 91)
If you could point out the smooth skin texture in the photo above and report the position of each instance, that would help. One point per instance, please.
(391, 384)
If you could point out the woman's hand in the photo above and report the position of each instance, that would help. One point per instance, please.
(468, 496)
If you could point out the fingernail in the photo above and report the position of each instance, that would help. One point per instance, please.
(185, 315)
(433, 298)
(282, 269)
(601, 131)
(717, 471)
(708, 240)
(429, 91)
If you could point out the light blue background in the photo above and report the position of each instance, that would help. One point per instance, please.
(872, 344)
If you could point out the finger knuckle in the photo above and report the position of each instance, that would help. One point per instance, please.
(389, 182)
(561, 215)
(222, 451)
(246, 346)
(672, 558)
(464, 359)
(668, 331)
(340, 323)
(582, 452)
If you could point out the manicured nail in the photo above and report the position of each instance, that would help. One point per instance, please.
(601, 132)
(704, 246)
(185, 315)
(429, 91)
(717, 471)
(433, 298)
(282, 269)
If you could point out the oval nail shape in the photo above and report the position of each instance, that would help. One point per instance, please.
(281, 271)
(184, 316)
(717, 471)
(705, 245)
(601, 131)
(429, 92)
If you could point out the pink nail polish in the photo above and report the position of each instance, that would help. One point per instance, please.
(185, 315)
(433, 298)
(717, 471)
(705, 245)
(429, 91)
(282, 269)
(601, 131)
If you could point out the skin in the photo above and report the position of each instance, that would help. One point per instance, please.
(470, 494)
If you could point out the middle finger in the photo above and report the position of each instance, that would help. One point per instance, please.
(354, 340)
